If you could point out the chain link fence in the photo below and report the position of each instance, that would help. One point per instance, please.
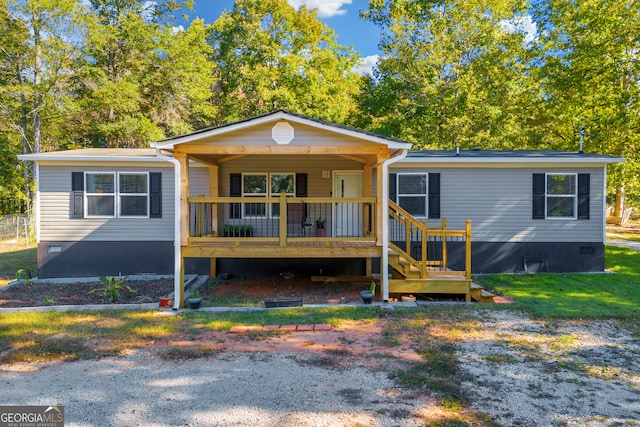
(20, 228)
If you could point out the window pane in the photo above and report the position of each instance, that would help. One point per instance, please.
(100, 183)
(558, 207)
(133, 205)
(282, 183)
(132, 184)
(255, 184)
(100, 205)
(412, 184)
(414, 205)
(561, 184)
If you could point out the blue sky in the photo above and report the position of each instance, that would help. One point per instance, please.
(341, 15)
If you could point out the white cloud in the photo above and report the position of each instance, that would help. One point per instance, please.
(148, 9)
(325, 8)
(177, 29)
(523, 25)
(366, 65)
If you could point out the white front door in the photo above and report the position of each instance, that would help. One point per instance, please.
(348, 216)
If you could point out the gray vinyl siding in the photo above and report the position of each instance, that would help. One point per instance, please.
(198, 181)
(311, 165)
(55, 208)
(499, 203)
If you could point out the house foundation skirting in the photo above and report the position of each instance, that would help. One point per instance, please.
(510, 257)
(87, 259)
(90, 259)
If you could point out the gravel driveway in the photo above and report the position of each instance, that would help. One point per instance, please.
(519, 371)
(249, 389)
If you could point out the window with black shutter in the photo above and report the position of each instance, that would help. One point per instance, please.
(155, 195)
(235, 190)
(77, 194)
(584, 190)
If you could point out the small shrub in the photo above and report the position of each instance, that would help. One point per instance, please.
(112, 288)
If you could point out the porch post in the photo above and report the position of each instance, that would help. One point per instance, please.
(184, 194)
(213, 192)
(183, 160)
(383, 197)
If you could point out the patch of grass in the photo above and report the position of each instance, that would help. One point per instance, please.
(31, 337)
(14, 258)
(434, 334)
(572, 296)
(330, 315)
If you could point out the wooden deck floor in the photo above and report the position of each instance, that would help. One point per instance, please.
(293, 249)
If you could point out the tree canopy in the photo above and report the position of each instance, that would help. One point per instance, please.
(495, 74)
(270, 56)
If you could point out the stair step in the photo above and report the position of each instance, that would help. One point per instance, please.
(479, 294)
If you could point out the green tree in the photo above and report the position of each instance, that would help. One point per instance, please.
(142, 80)
(590, 69)
(41, 42)
(452, 73)
(270, 56)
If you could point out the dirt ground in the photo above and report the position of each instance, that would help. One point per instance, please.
(516, 370)
(218, 292)
(39, 294)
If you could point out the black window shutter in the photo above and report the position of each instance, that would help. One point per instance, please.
(393, 187)
(155, 195)
(77, 194)
(539, 193)
(434, 195)
(301, 185)
(584, 190)
(302, 180)
(235, 190)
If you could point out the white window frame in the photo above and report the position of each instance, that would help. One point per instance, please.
(87, 194)
(547, 196)
(116, 194)
(268, 206)
(120, 195)
(425, 195)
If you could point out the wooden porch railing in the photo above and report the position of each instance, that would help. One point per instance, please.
(405, 228)
(281, 219)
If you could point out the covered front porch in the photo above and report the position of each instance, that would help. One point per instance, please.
(282, 186)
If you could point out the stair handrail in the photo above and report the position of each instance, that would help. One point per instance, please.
(410, 224)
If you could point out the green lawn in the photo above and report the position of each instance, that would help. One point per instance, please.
(13, 258)
(573, 296)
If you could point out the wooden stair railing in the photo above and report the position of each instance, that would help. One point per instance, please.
(409, 267)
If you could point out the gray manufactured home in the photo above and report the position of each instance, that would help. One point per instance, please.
(284, 192)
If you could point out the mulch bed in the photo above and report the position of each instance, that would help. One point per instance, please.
(255, 289)
(40, 294)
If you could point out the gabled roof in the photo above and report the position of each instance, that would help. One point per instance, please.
(276, 116)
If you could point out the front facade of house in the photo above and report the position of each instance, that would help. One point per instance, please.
(248, 198)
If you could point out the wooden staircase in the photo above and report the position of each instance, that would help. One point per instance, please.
(424, 275)
(479, 294)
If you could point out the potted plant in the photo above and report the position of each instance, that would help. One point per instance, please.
(194, 299)
(368, 294)
(320, 230)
